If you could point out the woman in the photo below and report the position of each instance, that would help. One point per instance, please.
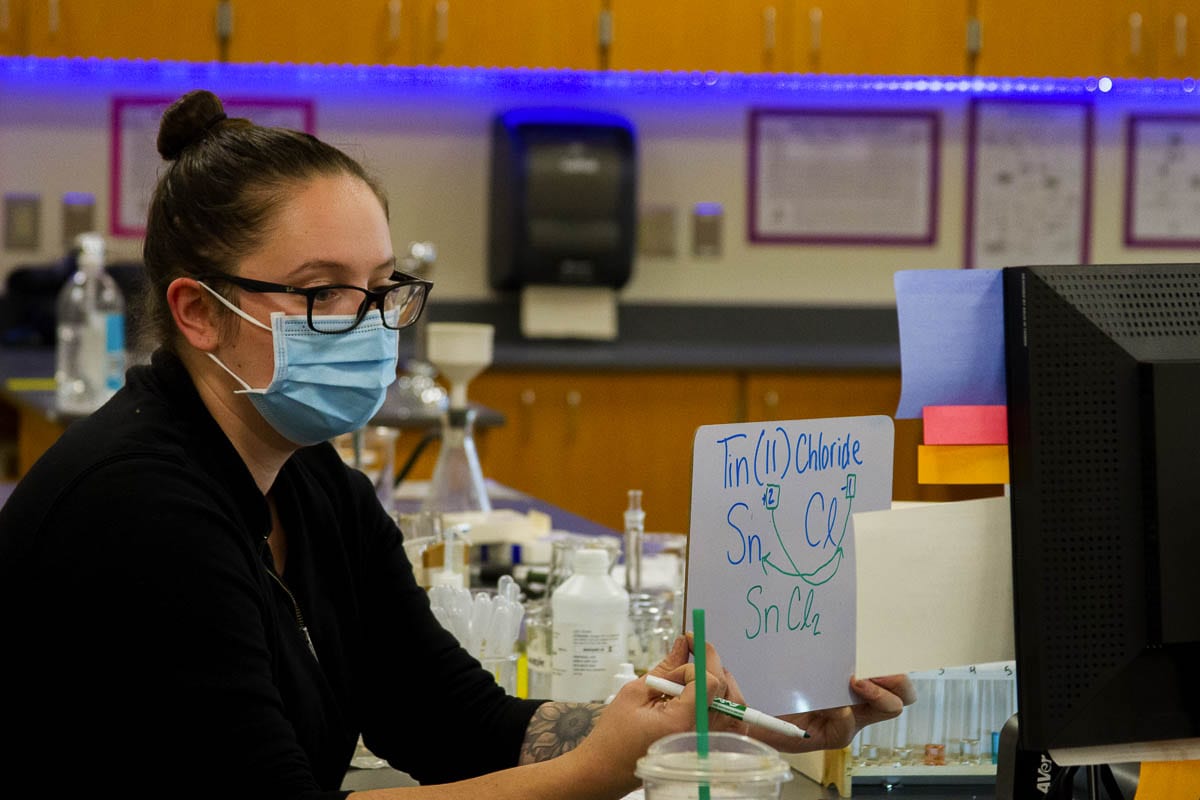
(201, 600)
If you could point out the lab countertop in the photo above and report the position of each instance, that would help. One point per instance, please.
(799, 788)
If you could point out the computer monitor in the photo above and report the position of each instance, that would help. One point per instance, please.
(1103, 369)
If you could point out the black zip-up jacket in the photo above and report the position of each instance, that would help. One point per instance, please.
(149, 649)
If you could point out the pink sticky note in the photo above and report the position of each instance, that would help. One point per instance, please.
(966, 424)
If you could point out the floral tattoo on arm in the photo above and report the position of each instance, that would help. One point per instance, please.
(557, 728)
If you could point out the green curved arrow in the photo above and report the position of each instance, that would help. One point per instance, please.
(811, 578)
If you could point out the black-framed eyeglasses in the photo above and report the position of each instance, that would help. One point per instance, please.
(339, 308)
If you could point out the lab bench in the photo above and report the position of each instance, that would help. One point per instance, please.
(579, 423)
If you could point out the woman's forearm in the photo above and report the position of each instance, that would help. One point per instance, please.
(557, 728)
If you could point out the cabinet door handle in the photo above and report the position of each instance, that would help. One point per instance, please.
(1181, 35)
(771, 399)
(224, 20)
(574, 403)
(1135, 34)
(604, 28)
(441, 28)
(53, 16)
(769, 38)
(814, 32)
(974, 37)
(528, 401)
(394, 8)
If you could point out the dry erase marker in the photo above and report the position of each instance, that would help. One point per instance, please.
(732, 709)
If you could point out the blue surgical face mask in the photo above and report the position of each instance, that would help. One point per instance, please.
(325, 384)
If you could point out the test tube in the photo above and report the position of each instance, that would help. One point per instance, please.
(919, 730)
(901, 750)
(935, 745)
(962, 734)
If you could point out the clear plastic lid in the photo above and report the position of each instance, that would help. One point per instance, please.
(732, 758)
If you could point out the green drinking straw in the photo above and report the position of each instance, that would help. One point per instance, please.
(701, 692)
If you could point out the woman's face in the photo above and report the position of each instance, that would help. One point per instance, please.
(332, 230)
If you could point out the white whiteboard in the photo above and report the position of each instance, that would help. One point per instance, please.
(1162, 193)
(135, 160)
(769, 558)
(823, 176)
(1029, 183)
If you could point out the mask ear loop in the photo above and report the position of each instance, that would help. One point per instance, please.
(247, 389)
(232, 307)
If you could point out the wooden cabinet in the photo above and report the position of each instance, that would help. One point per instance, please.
(720, 35)
(346, 32)
(524, 33)
(1118, 38)
(1172, 38)
(916, 37)
(580, 440)
(1038, 39)
(926, 37)
(1115, 38)
(817, 394)
(14, 25)
(178, 30)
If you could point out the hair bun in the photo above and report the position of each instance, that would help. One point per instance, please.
(187, 121)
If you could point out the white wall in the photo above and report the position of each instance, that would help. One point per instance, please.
(430, 147)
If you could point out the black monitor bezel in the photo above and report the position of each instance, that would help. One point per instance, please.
(1084, 680)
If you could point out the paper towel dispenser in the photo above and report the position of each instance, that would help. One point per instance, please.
(562, 199)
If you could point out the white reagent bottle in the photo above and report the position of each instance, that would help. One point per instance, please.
(590, 619)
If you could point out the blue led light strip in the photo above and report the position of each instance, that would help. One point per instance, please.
(472, 79)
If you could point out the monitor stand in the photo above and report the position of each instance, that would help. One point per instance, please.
(1034, 775)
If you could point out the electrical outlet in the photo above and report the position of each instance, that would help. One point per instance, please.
(656, 231)
(78, 216)
(22, 221)
(707, 221)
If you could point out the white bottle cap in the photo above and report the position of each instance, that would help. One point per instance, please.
(590, 561)
(622, 676)
(91, 245)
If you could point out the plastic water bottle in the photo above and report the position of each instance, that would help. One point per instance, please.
(590, 613)
(90, 354)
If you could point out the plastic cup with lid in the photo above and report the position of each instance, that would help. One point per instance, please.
(736, 767)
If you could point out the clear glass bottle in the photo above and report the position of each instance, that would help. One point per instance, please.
(457, 478)
(90, 350)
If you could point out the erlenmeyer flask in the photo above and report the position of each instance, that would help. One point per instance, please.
(457, 479)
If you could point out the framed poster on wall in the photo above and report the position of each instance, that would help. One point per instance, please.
(136, 163)
(1029, 182)
(1162, 180)
(843, 176)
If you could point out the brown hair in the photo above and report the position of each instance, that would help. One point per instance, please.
(213, 204)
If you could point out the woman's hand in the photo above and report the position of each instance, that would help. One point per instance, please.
(831, 728)
(624, 729)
